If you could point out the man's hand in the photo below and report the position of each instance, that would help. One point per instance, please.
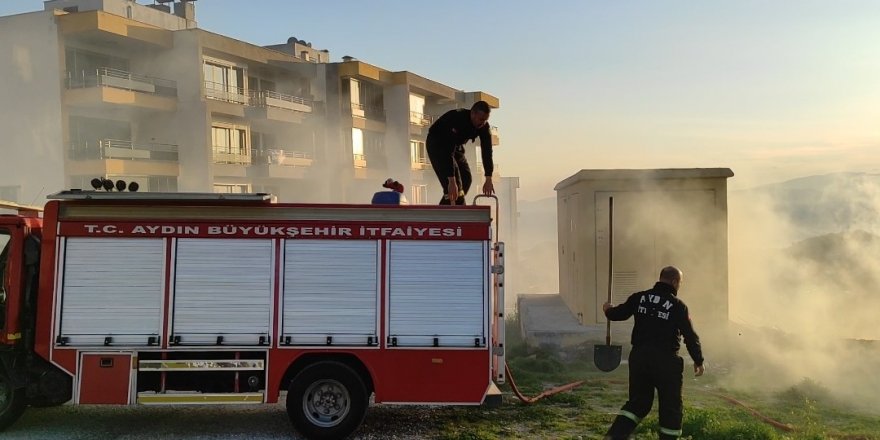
(488, 187)
(452, 191)
(606, 306)
(698, 370)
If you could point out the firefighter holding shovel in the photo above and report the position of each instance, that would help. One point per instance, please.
(661, 319)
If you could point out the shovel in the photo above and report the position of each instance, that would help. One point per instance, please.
(607, 357)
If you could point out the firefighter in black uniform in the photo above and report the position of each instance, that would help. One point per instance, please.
(660, 320)
(445, 145)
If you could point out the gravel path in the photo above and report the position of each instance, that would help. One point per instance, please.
(259, 422)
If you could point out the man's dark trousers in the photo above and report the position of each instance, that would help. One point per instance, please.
(652, 368)
(439, 155)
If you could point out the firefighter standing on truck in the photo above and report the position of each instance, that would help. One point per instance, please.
(445, 145)
(660, 320)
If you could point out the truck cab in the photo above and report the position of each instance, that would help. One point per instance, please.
(24, 377)
(14, 232)
(18, 233)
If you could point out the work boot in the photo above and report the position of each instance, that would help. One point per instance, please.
(621, 429)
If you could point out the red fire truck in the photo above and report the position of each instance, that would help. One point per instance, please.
(157, 299)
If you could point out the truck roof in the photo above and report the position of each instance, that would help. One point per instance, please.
(76, 194)
(82, 205)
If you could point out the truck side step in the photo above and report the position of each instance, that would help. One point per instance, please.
(151, 398)
(201, 365)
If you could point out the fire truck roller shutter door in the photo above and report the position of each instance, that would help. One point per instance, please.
(426, 302)
(222, 288)
(331, 289)
(111, 287)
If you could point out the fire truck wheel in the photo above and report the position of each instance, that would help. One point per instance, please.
(12, 402)
(327, 400)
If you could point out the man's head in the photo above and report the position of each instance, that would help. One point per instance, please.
(671, 275)
(480, 113)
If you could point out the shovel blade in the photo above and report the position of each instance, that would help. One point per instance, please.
(607, 357)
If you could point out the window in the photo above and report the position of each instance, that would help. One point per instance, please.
(88, 136)
(230, 144)
(374, 149)
(357, 147)
(357, 109)
(163, 184)
(225, 83)
(416, 103)
(418, 154)
(355, 89)
(367, 100)
(231, 188)
(417, 109)
(5, 246)
(419, 194)
(83, 64)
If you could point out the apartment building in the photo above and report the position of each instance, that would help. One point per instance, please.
(138, 92)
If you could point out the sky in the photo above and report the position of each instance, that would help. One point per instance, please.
(773, 90)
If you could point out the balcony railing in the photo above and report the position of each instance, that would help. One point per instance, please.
(420, 119)
(269, 98)
(120, 79)
(377, 113)
(280, 156)
(367, 111)
(234, 156)
(123, 150)
(360, 161)
(357, 109)
(420, 163)
(225, 92)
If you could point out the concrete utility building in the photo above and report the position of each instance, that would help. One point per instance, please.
(661, 217)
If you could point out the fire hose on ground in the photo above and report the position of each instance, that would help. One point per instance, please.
(567, 387)
(545, 393)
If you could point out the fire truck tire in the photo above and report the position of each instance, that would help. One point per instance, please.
(12, 402)
(327, 400)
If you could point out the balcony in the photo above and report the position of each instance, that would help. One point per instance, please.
(275, 106)
(360, 161)
(123, 157)
(280, 163)
(104, 85)
(231, 156)
(420, 119)
(226, 93)
(375, 113)
(421, 163)
(367, 111)
(269, 98)
(100, 27)
(496, 139)
(357, 110)
(123, 150)
(283, 157)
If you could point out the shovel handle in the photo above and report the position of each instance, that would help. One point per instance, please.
(610, 263)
